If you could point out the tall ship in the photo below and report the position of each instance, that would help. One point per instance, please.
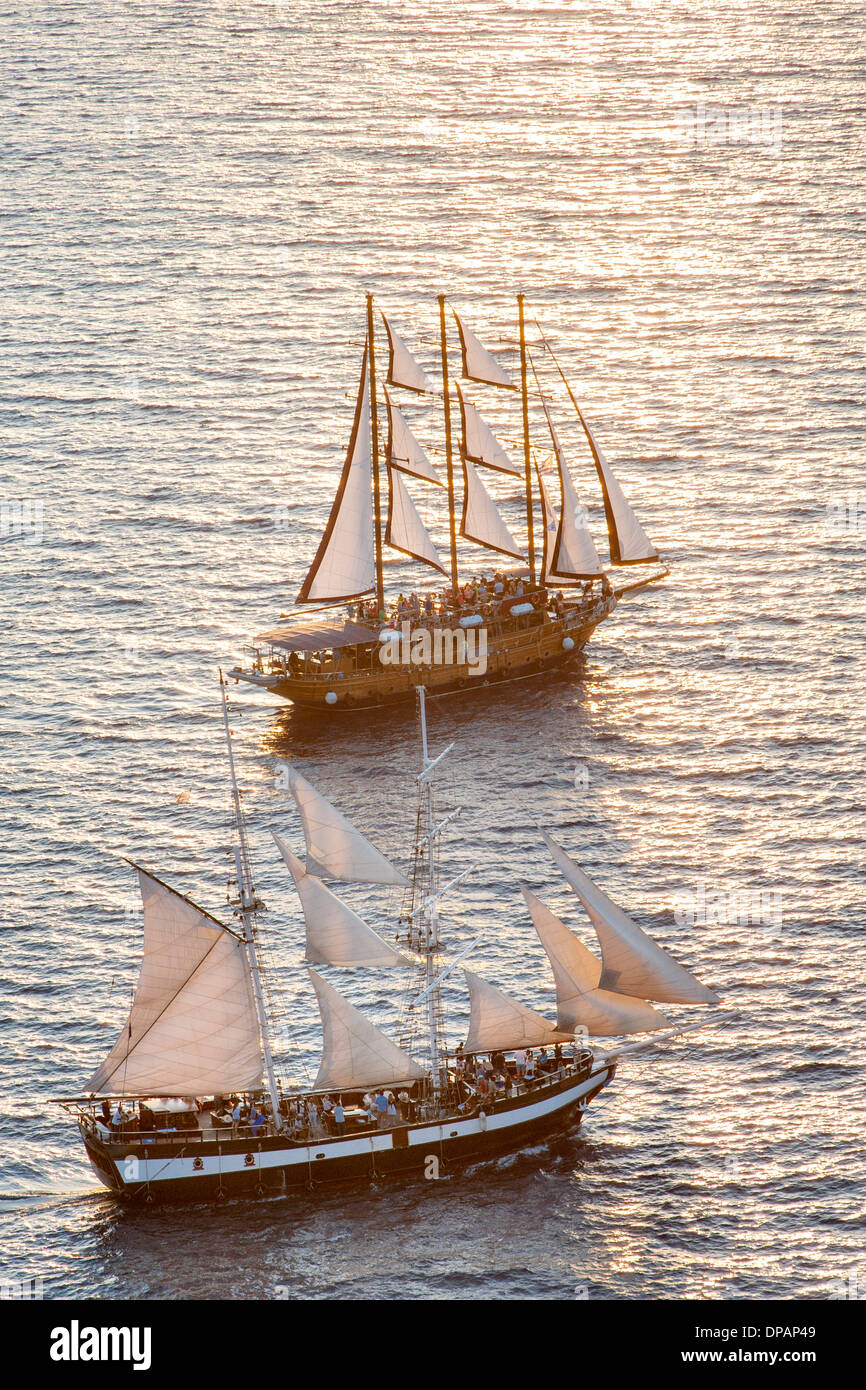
(530, 609)
(190, 1105)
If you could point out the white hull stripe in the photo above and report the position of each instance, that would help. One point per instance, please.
(158, 1170)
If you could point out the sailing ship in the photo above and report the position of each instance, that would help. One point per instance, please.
(534, 615)
(189, 1105)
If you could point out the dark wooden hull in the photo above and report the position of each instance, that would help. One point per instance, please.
(203, 1171)
(519, 655)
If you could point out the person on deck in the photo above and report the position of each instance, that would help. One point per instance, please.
(520, 1063)
(339, 1117)
(381, 1109)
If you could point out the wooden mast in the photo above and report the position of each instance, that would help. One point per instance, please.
(449, 457)
(527, 457)
(248, 904)
(374, 430)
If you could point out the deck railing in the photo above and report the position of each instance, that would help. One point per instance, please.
(472, 1104)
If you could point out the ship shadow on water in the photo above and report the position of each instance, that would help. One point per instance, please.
(478, 713)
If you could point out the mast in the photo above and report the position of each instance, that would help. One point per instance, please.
(431, 909)
(449, 456)
(527, 459)
(374, 429)
(247, 913)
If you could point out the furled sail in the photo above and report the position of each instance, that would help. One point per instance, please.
(335, 849)
(355, 1052)
(580, 1001)
(481, 521)
(629, 543)
(335, 934)
(345, 563)
(405, 531)
(193, 1028)
(479, 443)
(574, 555)
(498, 1023)
(404, 451)
(633, 963)
(478, 364)
(403, 370)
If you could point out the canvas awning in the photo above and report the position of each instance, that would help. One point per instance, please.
(318, 637)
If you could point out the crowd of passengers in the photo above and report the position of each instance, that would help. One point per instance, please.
(475, 1082)
(485, 596)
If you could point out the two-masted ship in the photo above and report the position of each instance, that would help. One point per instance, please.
(532, 614)
(189, 1103)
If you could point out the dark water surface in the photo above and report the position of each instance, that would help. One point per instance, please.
(196, 197)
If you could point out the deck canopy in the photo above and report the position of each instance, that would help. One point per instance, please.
(319, 637)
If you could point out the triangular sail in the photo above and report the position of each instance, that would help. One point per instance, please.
(335, 934)
(574, 555)
(478, 364)
(355, 1052)
(405, 531)
(345, 563)
(404, 451)
(498, 1023)
(580, 1001)
(335, 849)
(403, 370)
(629, 543)
(481, 521)
(192, 1029)
(633, 963)
(479, 443)
(550, 525)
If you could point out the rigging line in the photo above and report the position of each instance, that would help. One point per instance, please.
(189, 902)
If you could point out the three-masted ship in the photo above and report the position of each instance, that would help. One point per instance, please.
(189, 1104)
(532, 614)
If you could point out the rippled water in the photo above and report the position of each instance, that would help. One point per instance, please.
(196, 197)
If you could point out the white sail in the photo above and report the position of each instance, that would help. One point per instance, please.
(355, 1052)
(633, 963)
(498, 1023)
(192, 1029)
(629, 543)
(345, 562)
(549, 524)
(479, 443)
(580, 1001)
(404, 451)
(574, 553)
(403, 370)
(478, 365)
(335, 849)
(335, 934)
(481, 521)
(405, 531)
